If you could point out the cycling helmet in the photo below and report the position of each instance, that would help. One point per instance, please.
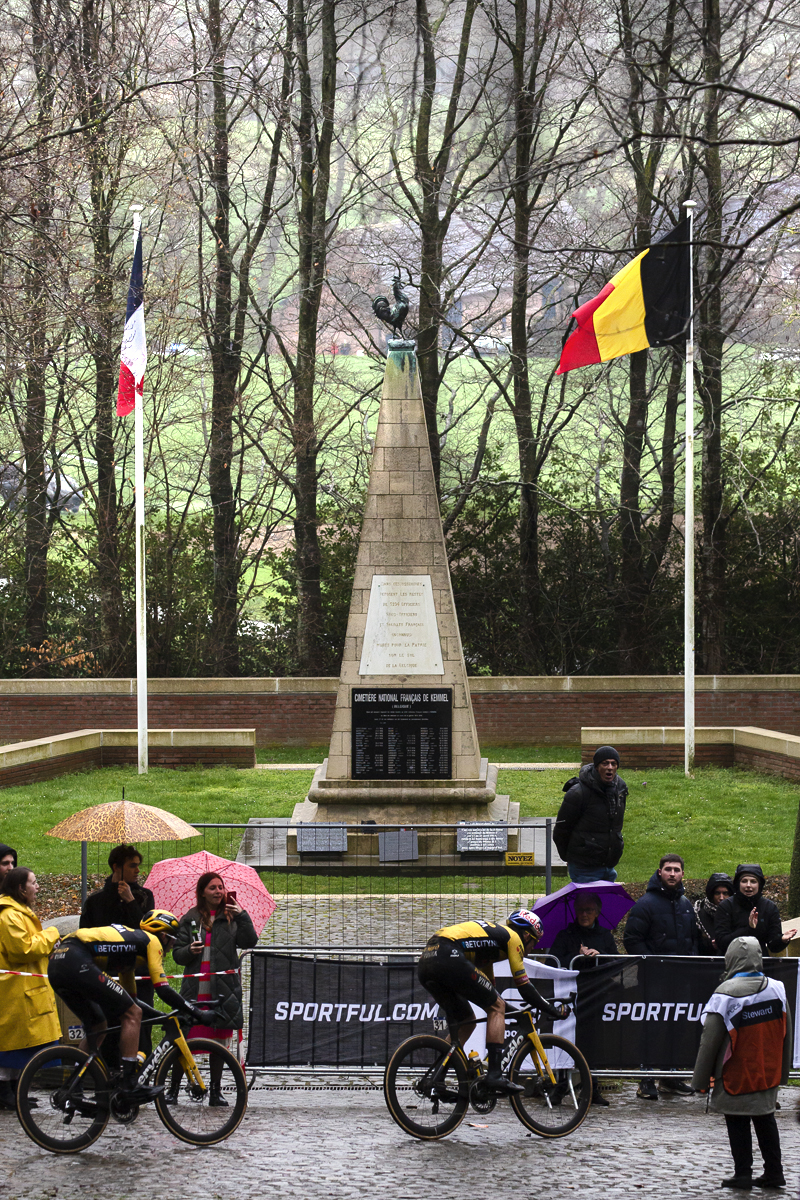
(525, 921)
(158, 920)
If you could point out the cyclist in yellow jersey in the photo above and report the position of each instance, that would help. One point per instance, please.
(77, 973)
(456, 967)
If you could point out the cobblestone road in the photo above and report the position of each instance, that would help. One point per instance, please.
(314, 1145)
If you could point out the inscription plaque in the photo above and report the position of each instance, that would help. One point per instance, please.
(479, 838)
(401, 636)
(402, 733)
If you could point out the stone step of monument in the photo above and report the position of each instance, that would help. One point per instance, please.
(268, 842)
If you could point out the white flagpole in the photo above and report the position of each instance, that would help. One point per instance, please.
(688, 611)
(141, 591)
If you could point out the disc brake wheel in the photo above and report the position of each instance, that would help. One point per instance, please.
(197, 1116)
(547, 1108)
(424, 1098)
(62, 1119)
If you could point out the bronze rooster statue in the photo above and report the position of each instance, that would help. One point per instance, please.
(392, 315)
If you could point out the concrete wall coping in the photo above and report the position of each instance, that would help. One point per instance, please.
(19, 753)
(672, 735)
(478, 685)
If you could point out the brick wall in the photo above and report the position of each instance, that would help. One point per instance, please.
(510, 711)
(559, 717)
(649, 757)
(87, 749)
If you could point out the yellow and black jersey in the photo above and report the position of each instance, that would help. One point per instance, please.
(483, 942)
(123, 952)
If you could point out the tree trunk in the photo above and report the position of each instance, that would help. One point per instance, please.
(633, 656)
(315, 137)
(37, 533)
(225, 371)
(712, 657)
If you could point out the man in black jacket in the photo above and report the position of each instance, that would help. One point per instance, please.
(588, 828)
(122, 901)
(663, 922)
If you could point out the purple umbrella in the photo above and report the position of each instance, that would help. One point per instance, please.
(558, 909)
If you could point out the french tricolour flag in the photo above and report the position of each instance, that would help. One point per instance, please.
(134, 343)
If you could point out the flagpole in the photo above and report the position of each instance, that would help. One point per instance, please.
(688, 609)
(141, 591)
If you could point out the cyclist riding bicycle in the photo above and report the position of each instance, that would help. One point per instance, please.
(456, 967)
(96, 998)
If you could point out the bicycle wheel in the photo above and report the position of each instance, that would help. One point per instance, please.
(193, 1118)
(423, 1100)
(551, 1110)
(62, 1120)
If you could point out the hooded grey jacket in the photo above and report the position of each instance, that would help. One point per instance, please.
(743, 954)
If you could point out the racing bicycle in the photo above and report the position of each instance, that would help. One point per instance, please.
(66, 1096)
(429, 1084)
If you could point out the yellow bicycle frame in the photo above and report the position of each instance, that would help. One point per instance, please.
(540, 1059)
(189, 1065)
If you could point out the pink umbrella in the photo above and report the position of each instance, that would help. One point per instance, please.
(173, 880)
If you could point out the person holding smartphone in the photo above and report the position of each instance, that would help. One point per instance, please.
(210, 936)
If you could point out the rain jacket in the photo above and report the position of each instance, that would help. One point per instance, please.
(588, 828)
(662, 922)
(226, 941)
(735, 1060)
(733, 916)
(27, 1004)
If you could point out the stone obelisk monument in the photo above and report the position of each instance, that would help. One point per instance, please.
(404, 745)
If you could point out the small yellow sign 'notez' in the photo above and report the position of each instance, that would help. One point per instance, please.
(519, 860)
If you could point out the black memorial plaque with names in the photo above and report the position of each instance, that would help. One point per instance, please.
(402, 733)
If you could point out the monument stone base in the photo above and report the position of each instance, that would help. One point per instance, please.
(401, 801)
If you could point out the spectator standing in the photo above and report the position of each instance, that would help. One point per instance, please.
(210, 937)
(746, 1047)
(122, 901)
(663, 922)
(588, 828)
(718, 888)
(749, 914)
(8, 859)
(586, 937)
(28, 1016)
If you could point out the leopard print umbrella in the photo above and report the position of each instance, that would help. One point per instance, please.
(122, 821)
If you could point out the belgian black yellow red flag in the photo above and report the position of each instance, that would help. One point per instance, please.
(645, 304)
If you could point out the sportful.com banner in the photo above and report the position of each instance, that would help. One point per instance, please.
(631, 1012)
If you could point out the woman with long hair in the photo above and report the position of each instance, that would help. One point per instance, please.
(28, 1016)
(210, 937)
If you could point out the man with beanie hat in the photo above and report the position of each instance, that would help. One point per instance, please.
(749, 914)
(588, 828)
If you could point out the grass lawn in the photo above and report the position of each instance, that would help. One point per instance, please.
(720, 818)
(531, 753)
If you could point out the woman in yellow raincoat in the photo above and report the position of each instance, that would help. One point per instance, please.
(28, 1017)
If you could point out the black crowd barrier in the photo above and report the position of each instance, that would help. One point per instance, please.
(351, 1010)
(645, 1012)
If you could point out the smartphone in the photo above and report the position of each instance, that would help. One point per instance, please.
(230, 898)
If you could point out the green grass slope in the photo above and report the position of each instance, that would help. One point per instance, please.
(716, 820)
